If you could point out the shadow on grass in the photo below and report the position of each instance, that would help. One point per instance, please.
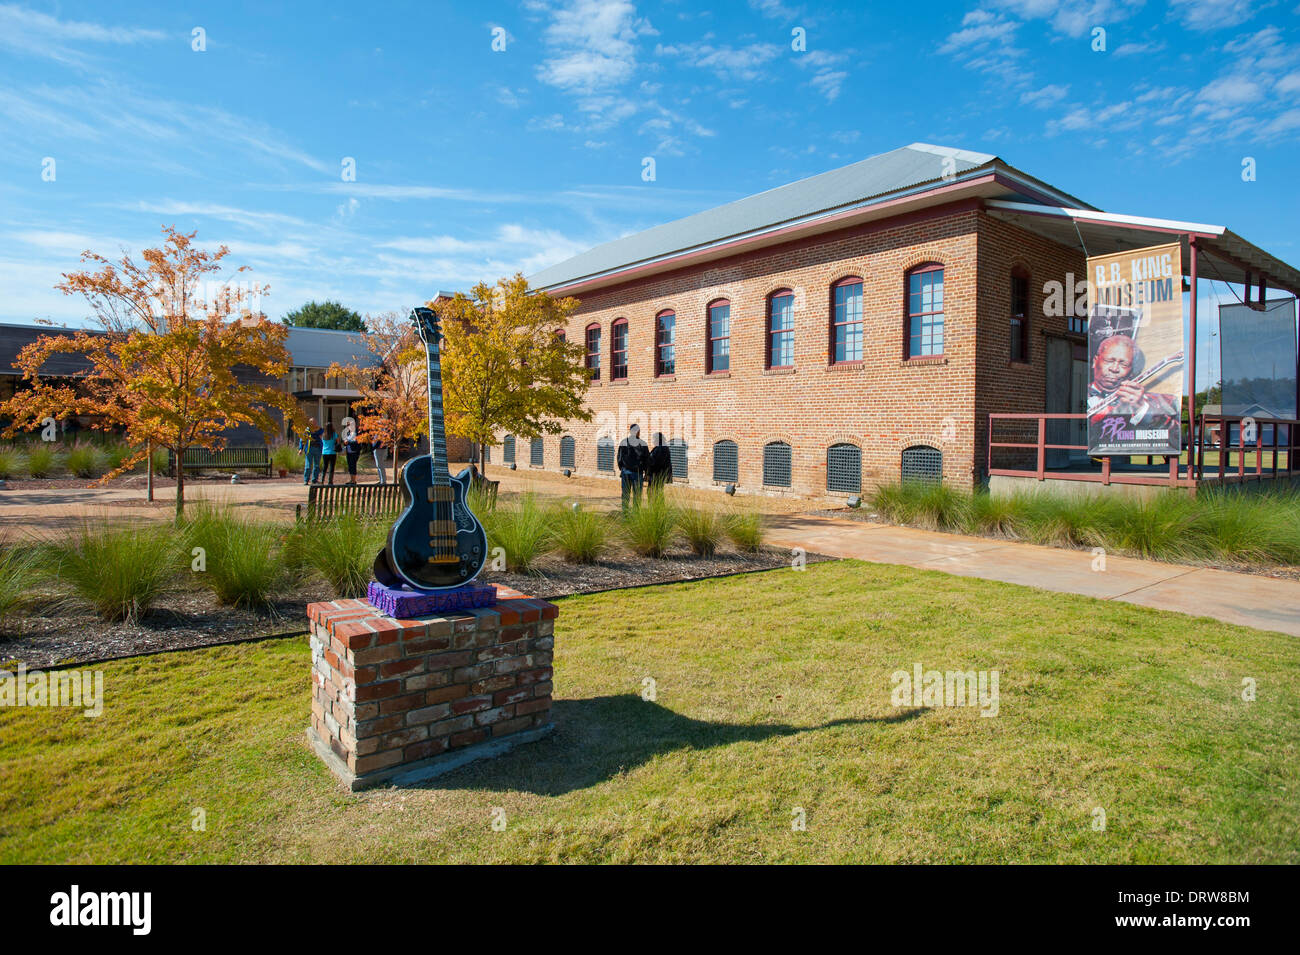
(600, 738)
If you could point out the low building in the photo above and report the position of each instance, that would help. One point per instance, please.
(851, 329)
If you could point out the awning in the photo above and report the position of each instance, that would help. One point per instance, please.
(1231, 258)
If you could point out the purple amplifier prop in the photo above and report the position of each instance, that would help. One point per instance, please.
(404, 602)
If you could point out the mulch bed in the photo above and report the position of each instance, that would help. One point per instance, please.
(188, 618)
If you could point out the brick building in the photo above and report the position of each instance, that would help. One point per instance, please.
(826, 336)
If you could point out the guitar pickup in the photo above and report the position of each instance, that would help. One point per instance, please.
(450, 559)
(442, 527)
(439, 494)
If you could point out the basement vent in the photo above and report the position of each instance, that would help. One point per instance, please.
(777, 457)
(568, 452)
(923, 464)
(844, 468)
(726, 462)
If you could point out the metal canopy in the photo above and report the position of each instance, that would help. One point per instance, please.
(1230, 257)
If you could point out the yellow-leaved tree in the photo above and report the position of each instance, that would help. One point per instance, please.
(171, 367)
(505, 368)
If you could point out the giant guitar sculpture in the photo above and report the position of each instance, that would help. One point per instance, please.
(436, 543)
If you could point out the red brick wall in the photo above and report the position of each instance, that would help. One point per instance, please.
(883, 404)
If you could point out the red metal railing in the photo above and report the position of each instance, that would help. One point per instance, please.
(1206, 438)
(1219, 439)
(1105, 475)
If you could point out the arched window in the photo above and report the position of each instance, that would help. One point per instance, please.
(568, 452)
(665, 343)
(717, 354)
(561, 335)
(1019, 314)
(846, 320)
(677, 452)
(925, 311)
(508, 449)
(923, 464)
(593, 351)
(777, 460)
(844, 468)
(780, 329)
(536, 452)
(605, 454)
(726, 462)
(618, 350)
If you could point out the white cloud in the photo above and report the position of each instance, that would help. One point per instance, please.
(592, 44)
(1211, 14)
(729, 63)
(31, 33)
(1044, 97)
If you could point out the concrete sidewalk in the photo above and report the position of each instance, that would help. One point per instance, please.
(1265, 603)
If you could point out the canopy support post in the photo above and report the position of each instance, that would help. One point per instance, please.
(1191, 366)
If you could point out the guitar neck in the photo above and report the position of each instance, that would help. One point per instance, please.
(437, 436)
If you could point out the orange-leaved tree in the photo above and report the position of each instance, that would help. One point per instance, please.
(504, 368)
(394, 401)
(163, 366)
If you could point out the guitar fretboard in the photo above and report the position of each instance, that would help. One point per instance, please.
(437, 436)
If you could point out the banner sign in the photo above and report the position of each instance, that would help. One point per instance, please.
(1135, 351)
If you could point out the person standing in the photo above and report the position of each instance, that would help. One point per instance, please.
(633, 460)
(353, 451)
(660, 469)
(329, 452)
(309, 443)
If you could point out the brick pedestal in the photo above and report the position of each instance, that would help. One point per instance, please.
(404, 700)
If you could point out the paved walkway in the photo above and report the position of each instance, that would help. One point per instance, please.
(1265, 603)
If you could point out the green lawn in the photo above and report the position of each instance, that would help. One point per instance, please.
(773, 693)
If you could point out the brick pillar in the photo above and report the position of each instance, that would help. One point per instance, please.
(405, 700)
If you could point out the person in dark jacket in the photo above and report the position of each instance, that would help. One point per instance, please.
(352, 449)
(633, 461)
(660, 470)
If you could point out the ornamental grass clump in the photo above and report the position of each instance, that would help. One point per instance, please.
(119, 571)
(649, 527)
(746, 530)
(523, 529)
(239, 560)
(20, 569)
(703, 529)
(342, 551)
(12, 462)
(41, 461)
(580, 536)
(86, 460)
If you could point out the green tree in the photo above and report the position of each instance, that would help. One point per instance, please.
(504, 368)
(326, 315)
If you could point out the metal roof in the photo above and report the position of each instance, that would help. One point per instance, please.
(321, 347)
(308, 348)
(864, 183)
(1102, 233)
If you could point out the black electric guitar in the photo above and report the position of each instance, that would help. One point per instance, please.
(436, 542)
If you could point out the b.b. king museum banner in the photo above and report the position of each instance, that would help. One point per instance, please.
(1135, 351)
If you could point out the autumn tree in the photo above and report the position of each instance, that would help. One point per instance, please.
(394, 402)
(505, 368)
(163, 365)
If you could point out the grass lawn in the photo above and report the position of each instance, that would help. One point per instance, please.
(760, 709)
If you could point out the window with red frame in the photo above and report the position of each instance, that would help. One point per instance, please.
(665, 350)
(718, 356)
(560, 334)
(846, 321)
(925, 311)
(593, 351)
(780, 329)
(1019, 315)
(618, 350)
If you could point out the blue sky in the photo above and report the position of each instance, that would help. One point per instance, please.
(472, 163)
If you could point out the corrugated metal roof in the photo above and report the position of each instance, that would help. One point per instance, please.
(876, 177)
(309, 348)
(321, 347)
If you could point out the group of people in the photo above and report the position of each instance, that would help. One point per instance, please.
(641, 465)
(320, 448)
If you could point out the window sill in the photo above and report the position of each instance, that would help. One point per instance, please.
(784, 370)
(845, 367)
(1017, 363)
(926, 360)
(665, 378)
(717, 374)
(618, 381)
